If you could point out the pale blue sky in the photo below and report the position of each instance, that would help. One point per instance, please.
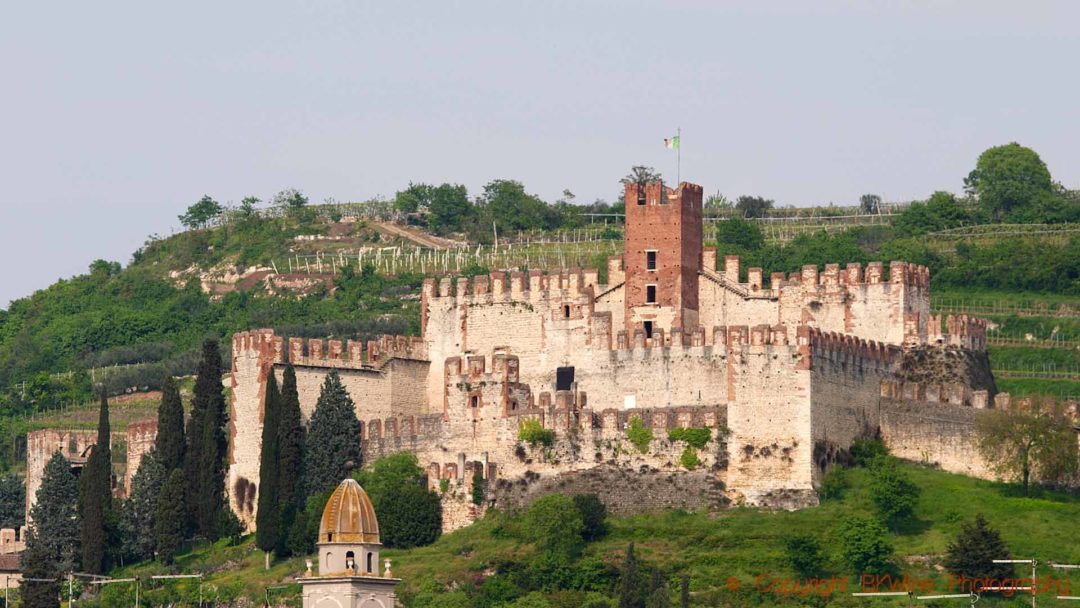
(115, 116)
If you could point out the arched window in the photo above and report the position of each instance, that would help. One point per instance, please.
(350, 561)
(370, 557)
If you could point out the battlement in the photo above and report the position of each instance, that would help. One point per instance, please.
(316, 352)
(957, 330)
(656, 193)
(470, 384)
(475, 368)
(947, 393)
(844, 348)
(514, 286)
(810, 277)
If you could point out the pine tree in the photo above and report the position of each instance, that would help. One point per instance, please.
(630, 584)
(169, 525)
(973, 551)
(333, 445)
(268, 518)
(170, 428)
(140, 509)
(207, 444)
(290, 443)
(52, 545)
(95, 496)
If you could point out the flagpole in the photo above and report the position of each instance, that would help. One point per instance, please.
(678, 157)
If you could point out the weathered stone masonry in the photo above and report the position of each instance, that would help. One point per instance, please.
(788, 371)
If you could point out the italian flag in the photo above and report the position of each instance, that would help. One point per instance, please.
(672, 143)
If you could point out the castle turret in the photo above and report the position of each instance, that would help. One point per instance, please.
(662, 256)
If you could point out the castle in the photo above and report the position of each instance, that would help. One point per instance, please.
(786, 372)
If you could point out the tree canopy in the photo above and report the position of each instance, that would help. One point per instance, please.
(199, 214)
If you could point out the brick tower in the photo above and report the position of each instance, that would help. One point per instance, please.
(662, 257)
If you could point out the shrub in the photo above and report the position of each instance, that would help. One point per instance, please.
(694, 437)
(593, 515)
(639, 434)
(803, 553)
(531, 432)
(893, 492)
(865, 451)
(555, 525)
(444, 485)
(865, 545)
(834, 484)
(689, 459)
(478, 483)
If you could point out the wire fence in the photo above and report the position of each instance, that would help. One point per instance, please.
(1005, 230)
(1019, 308)
(1047, 371)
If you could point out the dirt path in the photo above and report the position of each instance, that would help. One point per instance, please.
(416, 236)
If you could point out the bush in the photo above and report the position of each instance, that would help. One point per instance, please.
(555, 525)
(865, 545)
(689, 459)
(803, 553)
(834, 484)
(893, 492)
(694, 437)
(639, 434)
(865, 451)
(593, 516)
(973, 551)
(531, 432)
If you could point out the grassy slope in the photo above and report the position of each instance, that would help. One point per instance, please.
(740, 543)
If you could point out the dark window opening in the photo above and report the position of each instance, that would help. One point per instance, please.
(564, 378)
(650, 260)
(474, 401)
(369, 558)
(641, 195)
(350, 561)
(513, 405)
(648, 330)
(566, 311)
(650, 294)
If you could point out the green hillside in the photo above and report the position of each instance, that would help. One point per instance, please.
(493, 564)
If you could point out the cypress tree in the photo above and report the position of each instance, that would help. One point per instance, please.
(95, 496)
(630, 584)
(169, 524)
(973, 551)
(268, 517)
(169, 442)
(333, 445)
(290, 443)
(207, 445)
(290, 458)
(52, 544)
(140, 509)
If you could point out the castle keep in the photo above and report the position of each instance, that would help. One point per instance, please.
(787, 370)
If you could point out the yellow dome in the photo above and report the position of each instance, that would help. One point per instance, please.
(349, 516)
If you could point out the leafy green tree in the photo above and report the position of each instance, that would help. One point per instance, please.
(631, 588)
(639, 175)
(290, 199)
(593, 516)
(803, 554)
(169, 442)
(416, 197)
(52, 544)
(410, 515)
(140, 509)
(659, 594)
(939, 212)
(169, 518)
(1009, 179)
(199, 214)
(12, 501)
(973, 551)
(333, 446)
(753, 206)
(268, 515)
(870, 203)
(1033, 443)
(449, 208)
(512, 208)
(247, 206)
(865, 545)
(736, 236)
(95, 496)
(892, 491)
(554, 525)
